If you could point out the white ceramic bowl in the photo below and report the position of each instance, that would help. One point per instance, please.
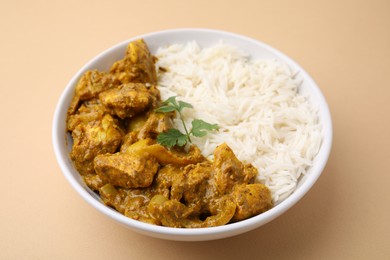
(205, 37)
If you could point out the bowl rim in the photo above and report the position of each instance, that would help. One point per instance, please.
(194, 234)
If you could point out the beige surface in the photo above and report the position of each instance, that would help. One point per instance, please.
(345, 45)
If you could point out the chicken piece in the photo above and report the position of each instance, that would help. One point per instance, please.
(167, 182)
(128, 140)
(187, 199)
(250, 173)
(141, 127)
(138, 210)
(127, 170)
(133, 204)
(155, 124)
(112, 197)
(93, 181)
(170, 213)
(135, 123)
(165, 156)
(251, 200)
(173, 213)
(127, 100)
(221, 214)
(131, 143)
(130, 202)
(229, 171)
(196, 189)
(93, 82)
(89, 140)
(90, 85)
(137, 65)
(88, 112)
(154, 91)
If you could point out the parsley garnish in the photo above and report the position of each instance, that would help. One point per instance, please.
(173, 136)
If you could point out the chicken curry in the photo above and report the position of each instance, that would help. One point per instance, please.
(114, 126)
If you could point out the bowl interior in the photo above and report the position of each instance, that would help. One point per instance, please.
(62, 141)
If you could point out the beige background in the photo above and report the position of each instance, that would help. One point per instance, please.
(345, 45)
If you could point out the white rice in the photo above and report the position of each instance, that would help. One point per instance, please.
(256, 104)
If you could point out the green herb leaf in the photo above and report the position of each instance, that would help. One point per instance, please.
(171, 104)
(171, 138)
(166, 109)
(171, 100)
(182, 140)
(183, 104)
(200, 127)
